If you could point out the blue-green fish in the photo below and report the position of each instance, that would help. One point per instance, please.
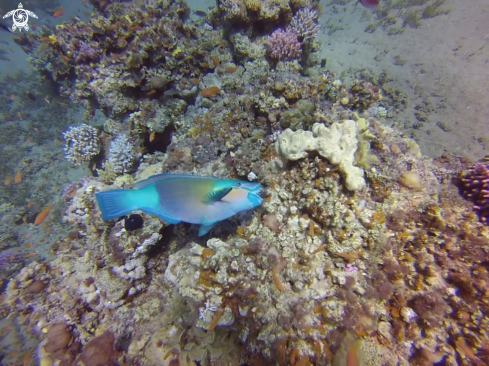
(187, 198)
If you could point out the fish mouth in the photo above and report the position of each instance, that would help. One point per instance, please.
(255, 199)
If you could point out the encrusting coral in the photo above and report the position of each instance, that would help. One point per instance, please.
(338, 144)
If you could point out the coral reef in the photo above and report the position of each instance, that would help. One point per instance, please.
(362, 250)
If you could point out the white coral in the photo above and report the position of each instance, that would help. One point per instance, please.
(81, 143)
(122, 155)
(304, 24)
(338, 144)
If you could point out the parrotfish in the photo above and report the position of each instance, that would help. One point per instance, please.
(369, 3)
(187, 198)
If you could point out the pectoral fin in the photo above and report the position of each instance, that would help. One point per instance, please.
(204, 229)
(216, 195)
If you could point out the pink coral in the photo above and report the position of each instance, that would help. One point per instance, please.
(284, 45)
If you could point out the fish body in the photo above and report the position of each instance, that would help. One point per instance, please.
(187, 198)
(200, 13)
(369, 3)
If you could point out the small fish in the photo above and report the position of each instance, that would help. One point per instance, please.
(352, 358)
(18, 177)
(171, 93)
(8, 180)
(41, 216)
(210, 92)
(59, 13)
(369, 3)
(200, 13)
(187, 198)
(27, 359)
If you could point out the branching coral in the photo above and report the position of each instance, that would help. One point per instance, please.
(284, 45)
(304, 23)
(81, 144)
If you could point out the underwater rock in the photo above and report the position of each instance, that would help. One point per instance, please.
(410, 180)
(99, 351)
(59, 337)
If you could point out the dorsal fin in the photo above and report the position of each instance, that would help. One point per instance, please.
(216, 195)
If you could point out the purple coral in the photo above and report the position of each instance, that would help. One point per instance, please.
(86, 54)
(476, 188)
(284, 45)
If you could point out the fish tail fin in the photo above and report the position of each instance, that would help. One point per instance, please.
(114, 204)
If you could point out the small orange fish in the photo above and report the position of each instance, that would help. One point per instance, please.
(30, 255)
(152, 136)
(210, 92)
(18, 177)
(195, 81)
(141, 150)
(135, 29)
(59, 13)
(65, 57)
(47, 100)
(151, 93)
(41, 216)
(8, 180)
(231, 69)
(28, 246)
(27, 359)
(348, 255)
(63, 104)
(28, 140)
(352, 354)
(44, 40)
(36, 129)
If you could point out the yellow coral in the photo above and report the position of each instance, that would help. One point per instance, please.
(252, 5)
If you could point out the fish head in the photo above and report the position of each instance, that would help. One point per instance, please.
(240, 195)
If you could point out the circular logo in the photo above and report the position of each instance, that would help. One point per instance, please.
(20, 18)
